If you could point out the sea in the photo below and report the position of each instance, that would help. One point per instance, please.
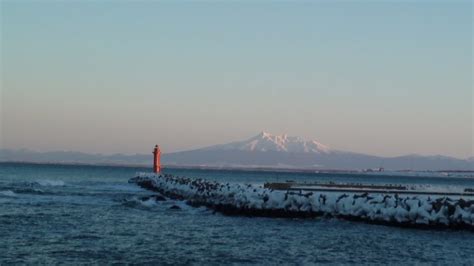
(75, 214)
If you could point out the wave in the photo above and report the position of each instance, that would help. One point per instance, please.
(136, 202)
(37, 187)
(7, 193)
(29, 190)
(37, 183)
(153, 201)
(49, 183)
(150, 203)
(119, 187)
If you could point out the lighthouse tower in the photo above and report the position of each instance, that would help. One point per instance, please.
(156, 159)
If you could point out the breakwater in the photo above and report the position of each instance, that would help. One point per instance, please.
(245, 199)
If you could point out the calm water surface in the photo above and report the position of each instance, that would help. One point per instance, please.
(87, 214)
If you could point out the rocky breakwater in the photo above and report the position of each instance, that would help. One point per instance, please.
(252, 200)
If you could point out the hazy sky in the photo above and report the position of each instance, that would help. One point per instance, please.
(385, 78)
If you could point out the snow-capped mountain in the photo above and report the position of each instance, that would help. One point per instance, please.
(265, 142)
(269, 150)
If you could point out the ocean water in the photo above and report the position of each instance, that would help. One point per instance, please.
(52, 214)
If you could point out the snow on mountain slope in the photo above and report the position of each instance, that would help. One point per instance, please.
(268, 142)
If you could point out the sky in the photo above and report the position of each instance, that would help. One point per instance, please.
(385, 78)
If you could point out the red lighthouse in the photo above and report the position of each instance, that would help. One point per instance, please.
(156, 159)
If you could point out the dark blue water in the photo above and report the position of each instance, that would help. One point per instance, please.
(86, 214)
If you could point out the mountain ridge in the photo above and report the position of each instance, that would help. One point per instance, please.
(262, 150)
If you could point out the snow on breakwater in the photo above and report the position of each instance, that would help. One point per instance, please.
(246, 199)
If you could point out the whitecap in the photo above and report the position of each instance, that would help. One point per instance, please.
(137, 202)
(50, 183)
(149, 203)
(7, 193)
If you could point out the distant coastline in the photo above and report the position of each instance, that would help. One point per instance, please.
(249, 168)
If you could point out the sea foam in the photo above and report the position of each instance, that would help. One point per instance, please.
(50, 183)
(7, 193)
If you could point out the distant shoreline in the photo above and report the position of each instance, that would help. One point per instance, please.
(236, 168)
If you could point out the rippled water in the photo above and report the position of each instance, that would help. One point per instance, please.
(86, 214)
